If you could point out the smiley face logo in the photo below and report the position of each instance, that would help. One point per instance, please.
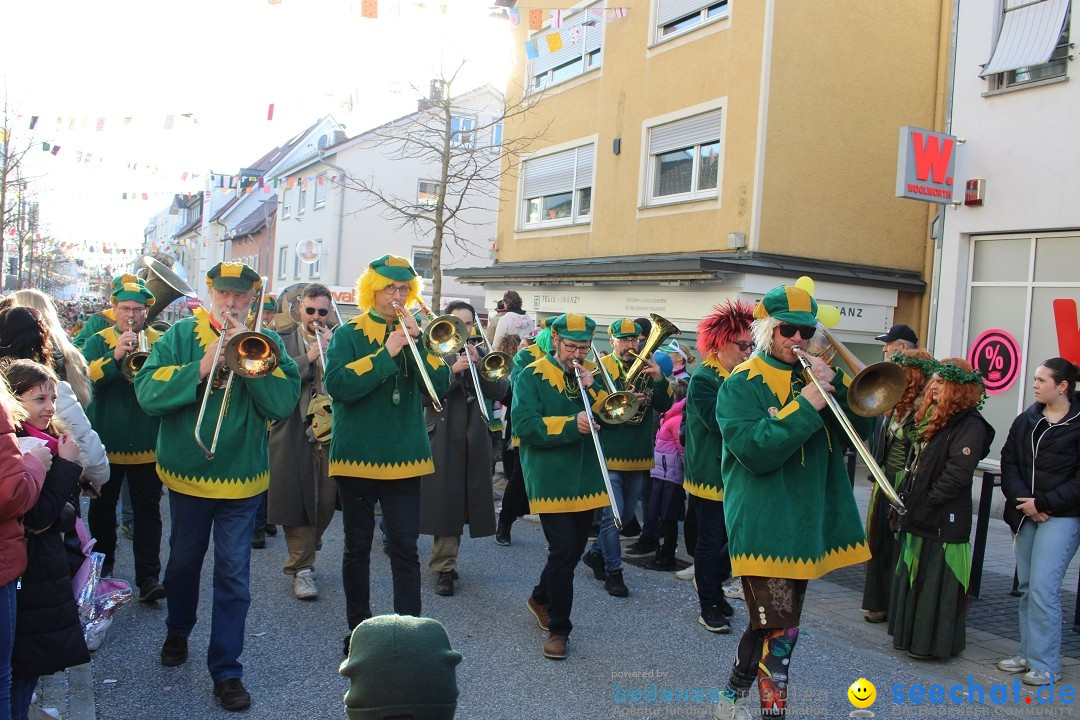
(862, 693)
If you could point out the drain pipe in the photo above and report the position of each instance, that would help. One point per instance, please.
(341, 214)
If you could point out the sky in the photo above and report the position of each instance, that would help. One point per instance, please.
(210, 69)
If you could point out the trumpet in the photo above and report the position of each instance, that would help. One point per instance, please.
(874, 391)
(620, 405)
(135, 359)
(250, 355)
(579, 371)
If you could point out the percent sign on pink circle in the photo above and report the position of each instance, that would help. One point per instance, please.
(996, 355)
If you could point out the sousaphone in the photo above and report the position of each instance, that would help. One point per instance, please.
(165, 284)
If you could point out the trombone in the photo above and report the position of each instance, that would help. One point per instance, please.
(444, 336)
(250, 355)
(580, 372)
(874, 391)
(620, 405)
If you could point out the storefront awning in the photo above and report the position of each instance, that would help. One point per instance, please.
(1029, 34)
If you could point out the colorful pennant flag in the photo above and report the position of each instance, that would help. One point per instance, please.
(515, 17)
(33, 121)
(554, 42)
(270, 113)
(531, 52)
(557, 18)
(100, 124)
(575, 35)
(536, 19)
(169, 119)
(55, 149)
(369, 9)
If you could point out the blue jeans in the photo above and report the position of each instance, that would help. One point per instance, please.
(22, 693)
(626, 485)
(7, 641)
(712, 564)
(232, 523)
(1043, 552)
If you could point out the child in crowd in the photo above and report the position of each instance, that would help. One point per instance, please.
(667, 498)
(48, 634)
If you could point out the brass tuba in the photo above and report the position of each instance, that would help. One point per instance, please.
(165, 284)
(634, 381)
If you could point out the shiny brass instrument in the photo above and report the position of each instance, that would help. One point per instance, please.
(166, 285)
(495, 365)
(620, 405)
(135, 359)
(447, 335)
(442, 337)
(874, 391)
(580, 372)
(635, 377)
(250, 354)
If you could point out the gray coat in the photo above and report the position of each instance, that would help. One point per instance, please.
(459, 491)
(291, 499)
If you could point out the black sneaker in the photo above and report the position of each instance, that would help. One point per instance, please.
(444, 584)
(725, 607)
(151, 591)
(713, 620)
(270, 530)
(662, 563)
(174, 652)
(632, 528)
(502, 534)
(615, 586)
(595, 562)
(232, 694)
(258, 540)
(642, 547)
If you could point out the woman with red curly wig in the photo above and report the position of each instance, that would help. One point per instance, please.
(950, 437)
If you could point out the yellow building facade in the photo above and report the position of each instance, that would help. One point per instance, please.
(691, 150)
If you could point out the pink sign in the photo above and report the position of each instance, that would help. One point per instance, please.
(996, 355)
(193, 303)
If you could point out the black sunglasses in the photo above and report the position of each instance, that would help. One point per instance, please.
(323, 312)
(744, 347)
(806, 331)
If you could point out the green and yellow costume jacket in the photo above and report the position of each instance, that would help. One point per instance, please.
(626, 446)
(379, 428)
(562, 471)
(788, 503)
(168, 386)
(701, 467)
(93, 325)
(522, 359)
(127, 432)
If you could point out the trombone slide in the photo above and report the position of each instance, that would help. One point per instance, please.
(579, 371)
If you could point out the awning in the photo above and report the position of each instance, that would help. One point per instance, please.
(1028, 36)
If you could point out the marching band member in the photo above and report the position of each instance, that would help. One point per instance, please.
(301, 495)
(129, 434)
(376, 384)
(219, 495)
(790, 512)
(628, 451)
(562, 470)
(459, 490)
(724, 341)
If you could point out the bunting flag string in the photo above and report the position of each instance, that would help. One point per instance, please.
(554, 40)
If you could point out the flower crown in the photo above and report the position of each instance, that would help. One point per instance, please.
(926, 367)
(955, 374)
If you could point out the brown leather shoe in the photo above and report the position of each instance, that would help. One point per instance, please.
(232, 694)
(876, 616)
(174, 651)
(540, 612)
(555, 647)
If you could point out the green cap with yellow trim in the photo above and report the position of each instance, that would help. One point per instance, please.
(393, 267)
(789, 304)
(269, 303)
(624, 328)
(574, 326)
(233, 277)
(131, 287)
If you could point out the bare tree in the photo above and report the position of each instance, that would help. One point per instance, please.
(18, 216)
(468, 171)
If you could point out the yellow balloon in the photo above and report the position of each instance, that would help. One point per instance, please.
(805, 283)
(828, 315)
(862, 693)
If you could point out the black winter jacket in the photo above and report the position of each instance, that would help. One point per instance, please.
(48, 633)
(937, 487)
(1048, 471)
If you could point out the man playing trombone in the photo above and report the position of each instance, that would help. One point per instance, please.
(218, 495)
(459, 490)
(791, 515)
(379, 448)
(301, 495)
(563, 474)
(128, 433)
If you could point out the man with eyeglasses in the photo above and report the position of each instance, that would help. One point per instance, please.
(379, 448)
(130, 436)
(789, 508)
(458, 492)
(724, 341)
(302, 494)
(562, 471)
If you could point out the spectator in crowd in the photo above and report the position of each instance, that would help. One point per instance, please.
(514, 320)
(68, 363)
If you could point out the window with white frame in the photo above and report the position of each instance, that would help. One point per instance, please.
(556, 189)
(421, 262)
(684, 159)
(463, 131)
(427, 194)
(674, 17)
(301, 196)
(296, 266)
(320, 190)
(1033, 43)
(315, 268)
(573, 48)
(286, 203)
(282, 259)
(496, 136)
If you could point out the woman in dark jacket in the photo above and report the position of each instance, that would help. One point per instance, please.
(928, 604)
(1040, 478)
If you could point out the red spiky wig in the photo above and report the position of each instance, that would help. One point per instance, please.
(729, 320)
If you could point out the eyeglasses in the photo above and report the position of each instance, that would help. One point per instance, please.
(806, 331)
(397, 290)
(323, 312)
(574, 348)
(745, 346)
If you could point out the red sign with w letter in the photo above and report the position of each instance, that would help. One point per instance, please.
(925, 165)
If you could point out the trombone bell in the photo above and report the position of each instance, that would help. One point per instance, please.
(251, 355)
(495, 366)
(445, 335)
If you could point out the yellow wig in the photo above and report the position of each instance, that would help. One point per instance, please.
(372, 282)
